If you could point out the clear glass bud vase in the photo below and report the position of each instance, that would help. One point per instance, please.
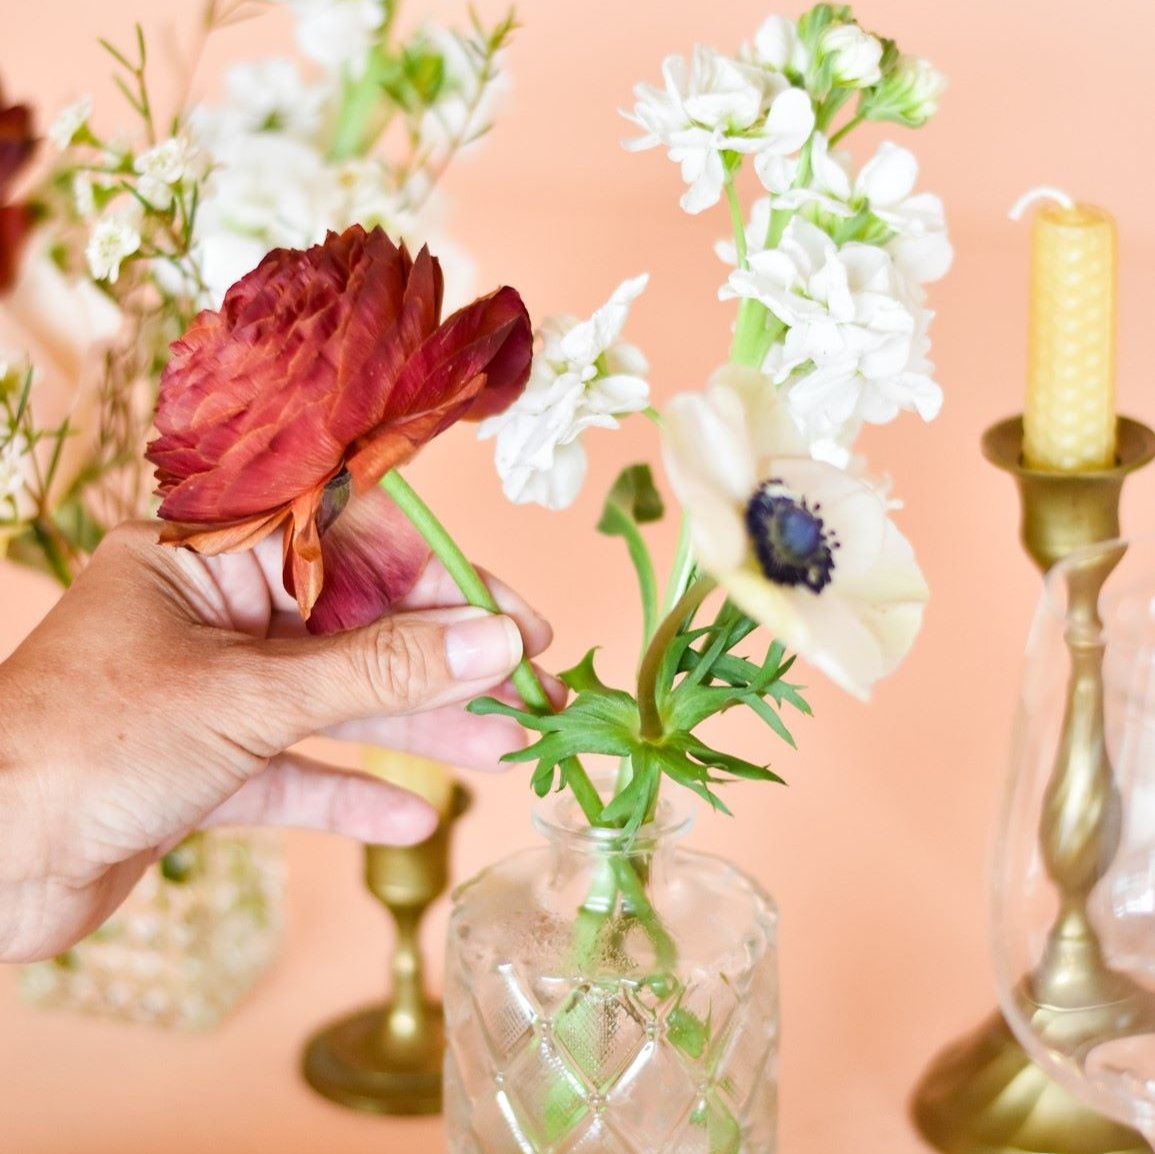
(606, 995)
(198, 930)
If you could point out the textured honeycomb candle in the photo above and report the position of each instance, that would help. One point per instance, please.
(1069, 423)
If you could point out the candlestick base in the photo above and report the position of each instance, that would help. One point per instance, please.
(984, 1095)
(349, 1063)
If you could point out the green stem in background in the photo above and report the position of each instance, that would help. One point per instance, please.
(48, 539)
(649, 716)
(476, 592)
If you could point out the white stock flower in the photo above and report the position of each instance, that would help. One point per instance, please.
(261, 96)
(909, 93)
(718, 105)
(69, 121)
(583, 377)
(267, 190)
(854, 55)
(802, 547)
(113, 238)
(778, 46)
(885, 186)
(855, 341)
(337, 34)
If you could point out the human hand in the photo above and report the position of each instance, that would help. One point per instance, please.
(160, 693)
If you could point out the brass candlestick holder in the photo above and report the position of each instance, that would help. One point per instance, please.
(386, 1059)
(984, 1094)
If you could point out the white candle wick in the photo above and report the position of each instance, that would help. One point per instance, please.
(1044, 193)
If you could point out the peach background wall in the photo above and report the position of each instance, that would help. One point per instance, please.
(877, 850)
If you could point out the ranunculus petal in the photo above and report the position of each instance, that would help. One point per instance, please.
(372, 558)
(323, 364)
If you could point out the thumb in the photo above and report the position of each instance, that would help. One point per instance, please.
(403, 663)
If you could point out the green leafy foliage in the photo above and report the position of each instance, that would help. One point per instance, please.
(700, 677)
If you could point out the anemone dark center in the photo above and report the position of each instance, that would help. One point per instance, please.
(791, 541)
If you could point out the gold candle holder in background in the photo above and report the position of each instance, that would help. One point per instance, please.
(984, 1094)
(387, 1059)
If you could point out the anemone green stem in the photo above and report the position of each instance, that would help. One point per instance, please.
(650, 719)
(476, 592)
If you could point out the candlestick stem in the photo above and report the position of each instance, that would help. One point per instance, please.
(387, 1059)
(984, 1094)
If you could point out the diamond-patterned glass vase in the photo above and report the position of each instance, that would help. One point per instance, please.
(198, 930)
(605, 997)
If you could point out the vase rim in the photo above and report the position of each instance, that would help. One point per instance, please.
(559, 818)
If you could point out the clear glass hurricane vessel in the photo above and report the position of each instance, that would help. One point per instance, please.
(1074, 879)
(611, 995)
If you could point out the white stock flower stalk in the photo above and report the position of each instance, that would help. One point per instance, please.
(718, 106)
(853, 345)
(778, 47)
(338, 34)
(583, 377)
(854, 56)
(804, 548)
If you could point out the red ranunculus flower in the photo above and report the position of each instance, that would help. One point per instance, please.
(17, 143)
(323, 370)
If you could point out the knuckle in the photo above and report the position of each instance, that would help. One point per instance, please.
(397, 665)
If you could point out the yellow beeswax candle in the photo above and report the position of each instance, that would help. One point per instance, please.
(1069, 421)
(432, 780)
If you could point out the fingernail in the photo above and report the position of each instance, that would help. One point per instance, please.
(482, 647)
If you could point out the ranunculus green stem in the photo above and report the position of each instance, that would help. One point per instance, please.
(476, 592)
(650, 719)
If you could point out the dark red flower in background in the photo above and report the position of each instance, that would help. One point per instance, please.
(323, 370)
(17, 144)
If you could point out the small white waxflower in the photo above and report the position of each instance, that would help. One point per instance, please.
(83, 195)
(854, 55)
(13, 465)
(718, 105)
(112, 239)
(69, 121)
(583, 377)
(778, 46)
(909, 93)
(804, 548)
(855, 339)
(337, 34)
(162, 168)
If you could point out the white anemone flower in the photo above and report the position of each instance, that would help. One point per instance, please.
(583, 377)
(718, 105)
(802, 547)
(855, 332)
